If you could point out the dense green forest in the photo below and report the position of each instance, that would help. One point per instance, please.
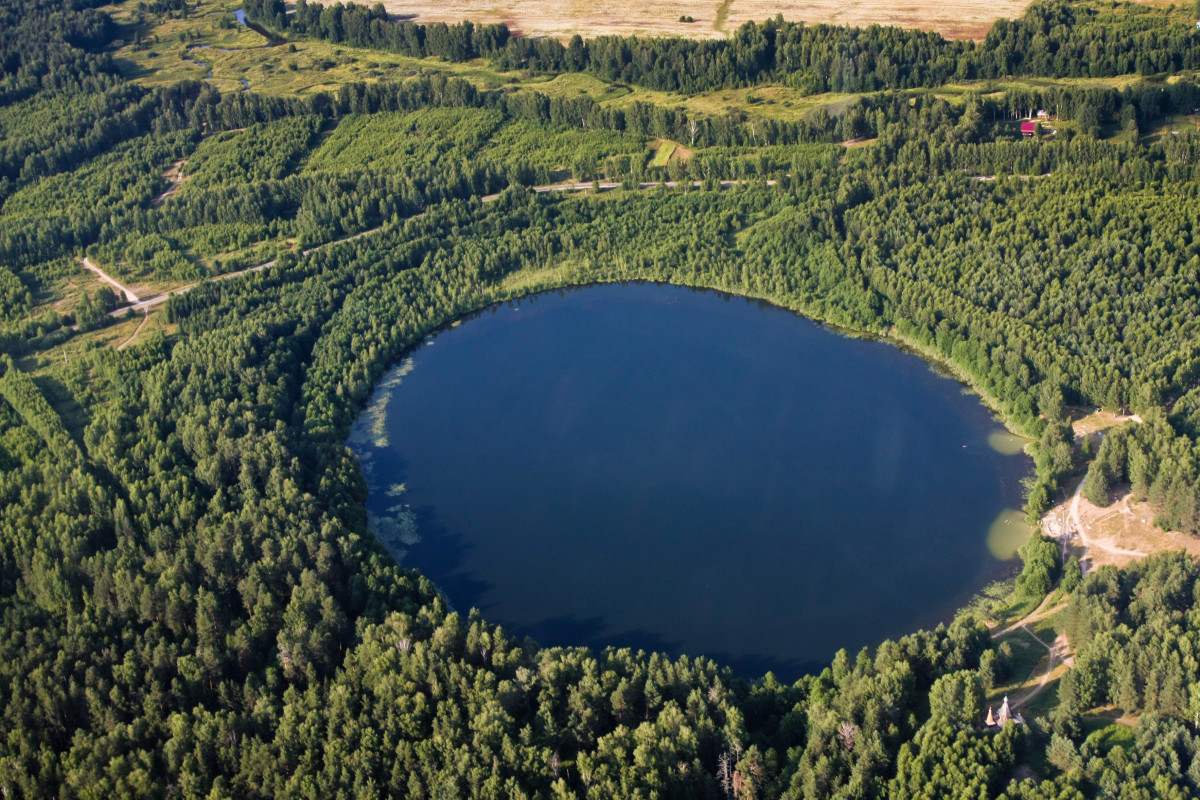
(192, 600)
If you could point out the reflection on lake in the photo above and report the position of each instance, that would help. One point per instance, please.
(658, 467)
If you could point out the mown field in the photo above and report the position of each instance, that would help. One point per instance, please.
(959, 19)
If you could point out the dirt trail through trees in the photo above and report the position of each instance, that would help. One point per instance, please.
(130, 296)
(176, 178)
(1059, 651)
(144, 306)
(1038, 613)
(136, 331)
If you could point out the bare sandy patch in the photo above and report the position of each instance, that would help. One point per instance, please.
(1085, 422)
(1124, 531)
(1117, 534)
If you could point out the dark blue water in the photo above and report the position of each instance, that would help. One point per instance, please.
(680, 470)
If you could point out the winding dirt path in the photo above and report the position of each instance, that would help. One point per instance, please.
(173, 174)
(136, 331)
(1039, 613)
(1058, 652)
(144, 306)
(604, 186)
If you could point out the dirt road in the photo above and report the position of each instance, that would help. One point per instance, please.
(144, 306)
(1076, 524)
(139, 306)
(136, 331)
(129, 296)
(605, 186)
(1033, 616)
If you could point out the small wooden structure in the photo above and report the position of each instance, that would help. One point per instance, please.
(1005, 716)
(1029, 129)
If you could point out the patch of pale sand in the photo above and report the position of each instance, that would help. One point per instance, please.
(1085, 422)
(956, 19)
(1122, 532)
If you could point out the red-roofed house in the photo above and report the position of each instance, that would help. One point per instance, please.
(1029, 129)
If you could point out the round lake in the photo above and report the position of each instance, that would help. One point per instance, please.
(679, 470)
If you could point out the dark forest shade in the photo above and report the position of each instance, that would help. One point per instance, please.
(657, 467)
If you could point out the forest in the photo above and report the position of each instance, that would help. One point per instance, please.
(193, 602)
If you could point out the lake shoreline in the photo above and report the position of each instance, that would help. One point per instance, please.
(810, 371)
(891, 335)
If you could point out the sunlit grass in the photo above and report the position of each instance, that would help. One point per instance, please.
(663, 154)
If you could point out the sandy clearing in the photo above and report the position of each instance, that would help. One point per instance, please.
(956, 19)
(1122, 532)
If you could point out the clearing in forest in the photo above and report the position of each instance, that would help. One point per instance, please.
(662, 155)
(956, 19)
(1121, 532)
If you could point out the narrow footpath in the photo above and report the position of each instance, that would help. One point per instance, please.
(136, 331)
(176, 178)
(144, 306)
(1058, 652)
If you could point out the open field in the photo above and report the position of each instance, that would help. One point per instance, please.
(206, 47)
(777, 102)
(233, 59)
(959, 19)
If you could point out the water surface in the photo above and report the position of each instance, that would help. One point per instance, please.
(680, 470)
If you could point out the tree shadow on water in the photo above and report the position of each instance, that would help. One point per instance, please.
(591, 632)
(440, 556)
(594, 633)
(752, 666)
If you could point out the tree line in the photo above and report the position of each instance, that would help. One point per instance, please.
(1054, 38)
